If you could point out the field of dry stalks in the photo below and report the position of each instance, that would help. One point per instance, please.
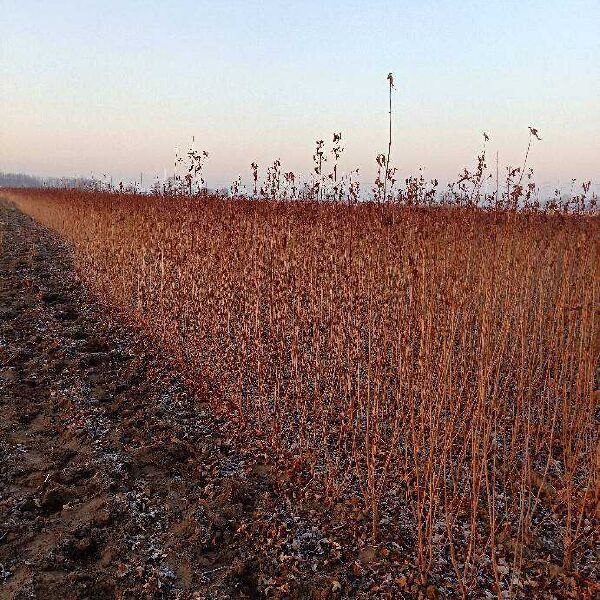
(437, 366)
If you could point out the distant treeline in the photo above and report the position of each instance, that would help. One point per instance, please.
(20, 180)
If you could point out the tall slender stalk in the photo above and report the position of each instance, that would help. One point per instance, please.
(390, 79)
(533, 132)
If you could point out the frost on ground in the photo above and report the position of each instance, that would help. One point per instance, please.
(115, 482)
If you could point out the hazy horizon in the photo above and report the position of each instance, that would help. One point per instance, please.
(115, 87)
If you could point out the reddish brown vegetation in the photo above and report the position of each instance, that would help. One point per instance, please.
(440, 364)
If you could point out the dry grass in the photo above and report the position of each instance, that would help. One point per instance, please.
(440, 364)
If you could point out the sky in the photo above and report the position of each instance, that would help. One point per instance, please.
(114, 87)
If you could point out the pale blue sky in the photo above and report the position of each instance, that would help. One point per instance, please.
(115, 86)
